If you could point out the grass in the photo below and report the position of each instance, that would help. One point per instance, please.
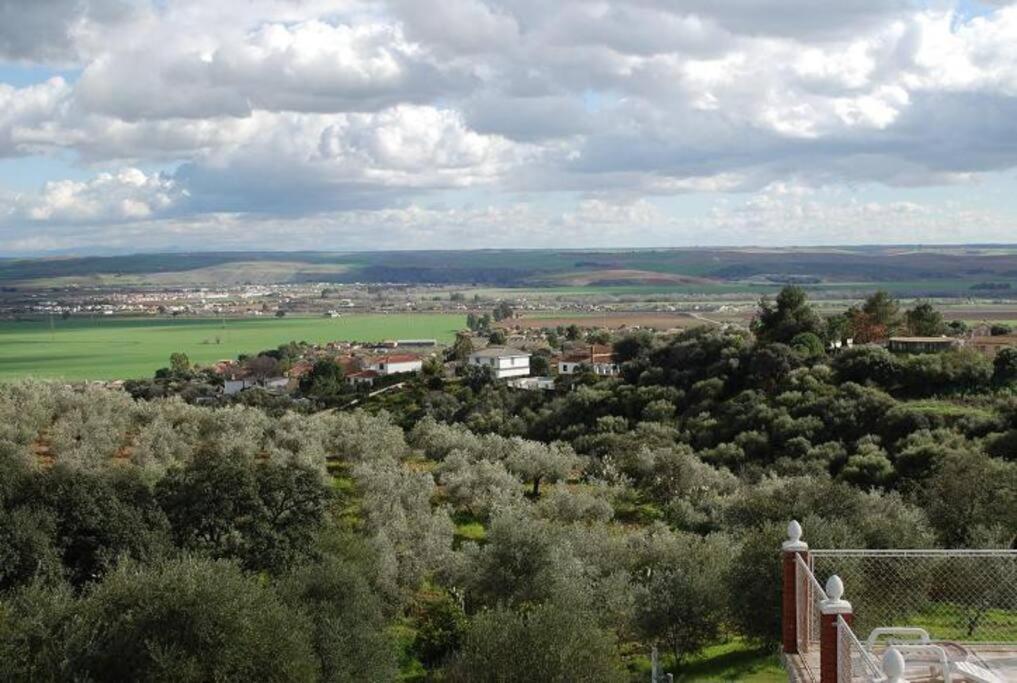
(125, 348)
(949, 410)
(735, 660)
(468, 528)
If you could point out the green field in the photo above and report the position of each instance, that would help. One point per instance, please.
(134, 348)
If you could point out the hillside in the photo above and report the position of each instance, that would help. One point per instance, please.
(946, 271)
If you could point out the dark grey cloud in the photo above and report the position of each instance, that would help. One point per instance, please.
(49, 31)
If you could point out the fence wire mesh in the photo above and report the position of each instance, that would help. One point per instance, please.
(810, 593)
(854, 663)
(956, 595)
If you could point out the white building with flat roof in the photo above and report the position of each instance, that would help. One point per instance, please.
(503, 361)
(396, 363)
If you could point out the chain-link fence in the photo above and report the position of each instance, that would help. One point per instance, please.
(854, 663)
(955, 595)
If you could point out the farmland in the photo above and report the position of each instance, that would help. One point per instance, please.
(80, 349)
(610, 321)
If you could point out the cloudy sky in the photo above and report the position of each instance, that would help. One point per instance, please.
(130, 125)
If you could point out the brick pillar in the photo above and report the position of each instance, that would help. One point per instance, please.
(829, 641)
(790, 551)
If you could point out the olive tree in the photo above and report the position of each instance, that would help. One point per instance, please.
(537, 462)
(683, 602)
(549, 642)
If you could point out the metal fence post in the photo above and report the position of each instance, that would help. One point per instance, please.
(829, 637)
(791, 549)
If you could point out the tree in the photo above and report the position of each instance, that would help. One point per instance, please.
(633, 345)
(771, 363)
(924, 321)
(477, 486)
(346, 617)
(280, 313)
(441, 626)
(1005, 365)
(462, 347)
(179, 363)
(808, 345)
(262, 366)
(471, 321)
(497, 338)
(539, 365)
(876, 319)
(28, 549)
(537, 462)
(503, 311)
(324, 380)
(263, 515)
(969, 495)
(791, 315)
(869, 467)
(476, 377)
(182, 620)
(867, 364)
(683, 602)
(97, 518)
(838, 327)
(550, 642)
(572, 332)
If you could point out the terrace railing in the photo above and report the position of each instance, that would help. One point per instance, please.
(810, 595)
(959, 601)
(855, 664)
(956, 595)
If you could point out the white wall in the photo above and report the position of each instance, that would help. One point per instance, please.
(394, 368)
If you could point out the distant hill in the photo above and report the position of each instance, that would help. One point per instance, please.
(930, 271)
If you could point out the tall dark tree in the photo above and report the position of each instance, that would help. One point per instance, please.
(876, 319)
(789, 316)
(325, 379)
(184, 620)
(924, 320)
(263, 515)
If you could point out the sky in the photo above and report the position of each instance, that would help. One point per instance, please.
(149, 125)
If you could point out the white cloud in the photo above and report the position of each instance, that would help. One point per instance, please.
(26, 114)
(127, 195)
(289, 110)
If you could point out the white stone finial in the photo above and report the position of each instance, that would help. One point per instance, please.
(794, 537)
(834, 588)
(893, 665)
(835, 603)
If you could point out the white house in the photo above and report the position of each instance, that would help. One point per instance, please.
(503, 361)
(395, 363)
(532, 383)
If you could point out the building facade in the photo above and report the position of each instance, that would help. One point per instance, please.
(395, 363)
(923, 344)
(990, 346)
(598, 358)
(503, 362)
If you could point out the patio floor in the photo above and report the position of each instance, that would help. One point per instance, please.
(1000, 659)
